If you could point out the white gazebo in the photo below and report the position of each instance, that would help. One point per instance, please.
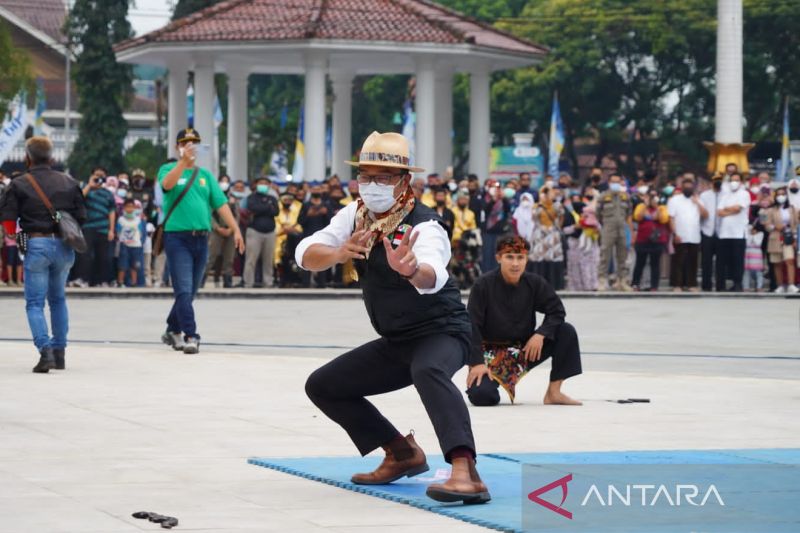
(336, 39)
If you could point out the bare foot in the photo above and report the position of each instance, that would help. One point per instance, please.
(559, 398)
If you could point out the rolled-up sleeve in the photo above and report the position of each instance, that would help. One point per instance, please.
(334, 234)
(433, 249)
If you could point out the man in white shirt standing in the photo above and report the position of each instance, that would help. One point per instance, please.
(733, 212)
(400, 250)
(685, 213)
(709, 227)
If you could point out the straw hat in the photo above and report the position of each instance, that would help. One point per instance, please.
(385, 150)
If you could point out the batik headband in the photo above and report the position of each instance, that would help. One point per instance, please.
(513, 245)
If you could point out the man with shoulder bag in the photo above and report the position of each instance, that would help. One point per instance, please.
(191, 194)
(49, 205)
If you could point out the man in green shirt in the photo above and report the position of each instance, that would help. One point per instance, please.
(186, 235)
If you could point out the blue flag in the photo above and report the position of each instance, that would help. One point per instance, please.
(284, 115)
(556, 138)
(784, 171)
(298, 168)
(410, 129)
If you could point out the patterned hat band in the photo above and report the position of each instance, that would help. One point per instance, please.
(382, 157)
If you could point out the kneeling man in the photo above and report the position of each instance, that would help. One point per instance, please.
(503, 304)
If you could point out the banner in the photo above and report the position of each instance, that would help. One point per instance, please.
(298, 168)
(785, 169)
(14, 125)
(556, 138)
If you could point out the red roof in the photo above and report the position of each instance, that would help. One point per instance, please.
(401, 21)
(46, 16)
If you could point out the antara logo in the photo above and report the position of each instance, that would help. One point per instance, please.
(639, 494)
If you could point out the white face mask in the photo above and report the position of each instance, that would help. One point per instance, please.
(781, 198)
(615, 187)
(735, 185)
(642, 189)
(224, 186)
(377, 198)
(754, 189)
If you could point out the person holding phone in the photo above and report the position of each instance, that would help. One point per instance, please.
(94, 266)
(191, 194)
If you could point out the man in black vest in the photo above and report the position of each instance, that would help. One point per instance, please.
(400, 250)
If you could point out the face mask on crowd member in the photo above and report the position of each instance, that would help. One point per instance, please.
(122, 192)
(736, 182)
(262, 188)
(129, 210)
(642, 189)
(615, 183)
(668, 190)
(452, 186)
(781, 199)
(509, 193)
(687, 188)
(287, 199)
(717, 184)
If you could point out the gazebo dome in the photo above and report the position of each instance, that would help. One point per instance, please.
(342, 39)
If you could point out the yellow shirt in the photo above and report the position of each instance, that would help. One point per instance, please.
(285, 217)
(465, 220)
(428, 200)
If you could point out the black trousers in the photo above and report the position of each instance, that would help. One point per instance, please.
(565, 352)
(730, 263)
(683, 268)
(648, 251)
(96, 262)
(340, 389)
(709, 248)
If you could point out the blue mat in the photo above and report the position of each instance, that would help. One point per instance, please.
(502, 474)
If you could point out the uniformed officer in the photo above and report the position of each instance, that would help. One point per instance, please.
(614, 213)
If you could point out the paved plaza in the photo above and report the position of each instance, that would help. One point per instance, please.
(131, 425)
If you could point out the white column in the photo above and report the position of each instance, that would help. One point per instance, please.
(237, 125)
(425, 106)
(315, 117)
(729, 107)
(204, 113)
(176, 112)
(342, 148)
(444, 120)
(479, 126)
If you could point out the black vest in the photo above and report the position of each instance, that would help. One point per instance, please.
(397, 311)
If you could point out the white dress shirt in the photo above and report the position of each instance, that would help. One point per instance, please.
(687, 218)
(710, 200)
(432, 247)
(734, 226)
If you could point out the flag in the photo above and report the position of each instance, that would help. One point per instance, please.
(14, 125)
(217, 112)
(328, 146)
(298, 168)
(784, 172)
(409, 130)
(556, 138)
(190, 106)
(284, 115)
(39, 127)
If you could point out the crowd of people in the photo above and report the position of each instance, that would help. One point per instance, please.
(603, 233)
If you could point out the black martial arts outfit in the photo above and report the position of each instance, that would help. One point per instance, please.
(425, 339)
(506, 314)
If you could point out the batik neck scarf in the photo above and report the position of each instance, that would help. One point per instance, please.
(383, 224)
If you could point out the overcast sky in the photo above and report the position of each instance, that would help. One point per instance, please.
(149, 15)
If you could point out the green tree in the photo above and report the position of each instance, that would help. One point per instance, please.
(187, 7)
(147, 156)
(104, 86)
(15, 71)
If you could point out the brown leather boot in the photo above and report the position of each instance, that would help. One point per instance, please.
(464, 485)
(392, 469)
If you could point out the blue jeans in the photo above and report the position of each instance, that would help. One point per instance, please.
(47, 265)
(187, 255)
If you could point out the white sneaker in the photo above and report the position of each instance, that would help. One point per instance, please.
(173, 339)
(191, 346)
(793, 289)
(780, 290)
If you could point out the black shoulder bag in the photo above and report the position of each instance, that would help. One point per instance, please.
(68, 228)
(158, 236)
